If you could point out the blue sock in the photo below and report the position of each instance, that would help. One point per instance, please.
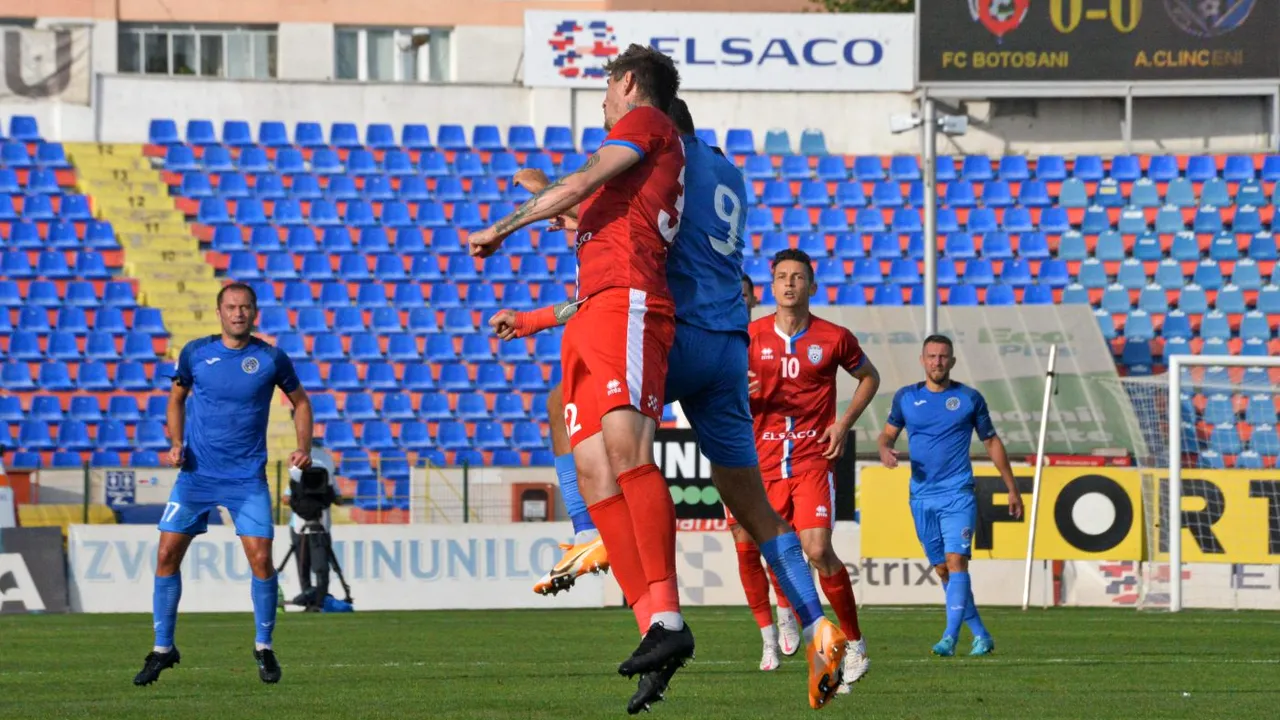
(573, 502)
(164, 607)
(971, 617)
(957, 602)
(264, 607)
(785, 556)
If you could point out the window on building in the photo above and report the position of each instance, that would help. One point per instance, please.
(204, 50)
(379, 54)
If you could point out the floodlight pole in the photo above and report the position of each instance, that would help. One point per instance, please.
(929, 151)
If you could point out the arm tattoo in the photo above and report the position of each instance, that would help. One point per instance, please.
(511, 222)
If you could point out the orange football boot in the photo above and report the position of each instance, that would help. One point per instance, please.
(826, 662)
(578, 559)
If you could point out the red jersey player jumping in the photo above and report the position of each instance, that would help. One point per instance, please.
(794, 360)
(614, 350)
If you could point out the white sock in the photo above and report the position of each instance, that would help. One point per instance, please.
(785, 614)
(770, 635)
(585, 536)
(262, 646)
(673, 621)
(162, 649)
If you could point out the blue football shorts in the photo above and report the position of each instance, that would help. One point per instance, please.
(707, 375)
(945, 524)
(194, 496)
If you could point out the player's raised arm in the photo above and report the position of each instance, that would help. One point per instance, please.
(995, 449)
(892, 428)
(535, 181)
(560, 196)
(510, 324)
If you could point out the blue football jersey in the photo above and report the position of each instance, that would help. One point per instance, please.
(704, 265)
(230, 402)
(939, 428)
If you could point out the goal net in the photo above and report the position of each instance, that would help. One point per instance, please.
(1207, 444)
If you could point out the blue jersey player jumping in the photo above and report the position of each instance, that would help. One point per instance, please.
(708, 376)
(940, 416)
(218, 412)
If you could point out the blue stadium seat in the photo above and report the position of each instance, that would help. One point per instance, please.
(1162, 168)
(1126, 168)
(1176, 326)
(1088, 168)
(1000, 295)
(1201, 168)
(163, 131)
(795, 167)
(1238, 169)
(1073, 194)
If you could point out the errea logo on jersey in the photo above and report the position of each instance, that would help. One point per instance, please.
(613, 387)
(769, 435)
(766, 353)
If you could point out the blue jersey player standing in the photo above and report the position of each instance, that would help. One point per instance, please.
(708, 377)
(217, 416)
(940, 416)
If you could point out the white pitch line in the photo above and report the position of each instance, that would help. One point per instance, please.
(958, 663)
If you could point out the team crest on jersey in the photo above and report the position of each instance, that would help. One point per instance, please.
(953, 403)
(249, 365)
(815, 354)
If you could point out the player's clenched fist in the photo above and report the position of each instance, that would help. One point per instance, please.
(300, 459)
(175, 456)
(888, 457)
(484, 243)
(503, 323)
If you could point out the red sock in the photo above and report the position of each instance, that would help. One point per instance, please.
(653, 516)
(754, 583)
(783, 602)
(643, 613)
(839, 591)
(613, 519)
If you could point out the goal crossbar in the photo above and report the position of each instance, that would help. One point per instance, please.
(1176, 365)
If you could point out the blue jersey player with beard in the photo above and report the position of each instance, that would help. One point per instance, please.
(708, 376)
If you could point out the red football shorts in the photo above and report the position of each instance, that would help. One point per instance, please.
(614, 354)
(805, 501)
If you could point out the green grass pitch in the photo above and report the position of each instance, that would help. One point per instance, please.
(554, 664)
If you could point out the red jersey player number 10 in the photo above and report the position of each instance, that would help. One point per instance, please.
(615, 349)
(796, 401)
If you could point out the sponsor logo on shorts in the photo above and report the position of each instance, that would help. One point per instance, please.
(769, 435)
(614, 387)
(966, 534)
(249, 365)
(953, 403)
(652, 402)
(822, 511)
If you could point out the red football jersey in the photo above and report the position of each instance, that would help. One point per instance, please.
(797, 398)
(626, 226)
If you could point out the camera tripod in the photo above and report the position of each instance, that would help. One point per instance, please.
(311, 529)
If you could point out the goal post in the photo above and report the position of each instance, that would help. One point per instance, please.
(1177, 453)
(1207, 413)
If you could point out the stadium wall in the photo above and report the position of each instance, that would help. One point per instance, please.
(854, 123)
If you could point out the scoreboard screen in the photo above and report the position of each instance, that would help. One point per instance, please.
(1097, 40)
